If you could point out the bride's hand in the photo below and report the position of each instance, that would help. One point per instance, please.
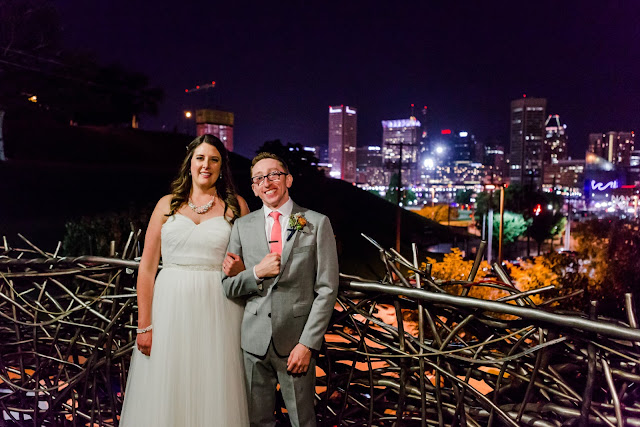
(144, 343)
(232, 264)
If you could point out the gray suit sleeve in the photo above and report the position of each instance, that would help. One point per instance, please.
(243, 283)
(326, 287)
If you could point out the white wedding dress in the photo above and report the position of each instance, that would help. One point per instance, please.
(194, 376)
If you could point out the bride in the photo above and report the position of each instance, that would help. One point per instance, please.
(187, 368)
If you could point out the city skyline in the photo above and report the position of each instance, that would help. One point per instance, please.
(278, 66)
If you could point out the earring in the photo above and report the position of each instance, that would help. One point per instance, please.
(189, 173)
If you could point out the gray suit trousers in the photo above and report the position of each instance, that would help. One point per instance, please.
(262, 374)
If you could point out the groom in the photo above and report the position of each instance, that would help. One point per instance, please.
(290, 284)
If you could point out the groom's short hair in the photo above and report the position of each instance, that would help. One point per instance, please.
(265, 155)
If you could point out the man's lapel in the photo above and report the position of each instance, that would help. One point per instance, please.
(257, 229)
(289, 243)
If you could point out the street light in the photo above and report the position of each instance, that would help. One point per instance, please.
(490, 188)
(188, 114)
(501, 224)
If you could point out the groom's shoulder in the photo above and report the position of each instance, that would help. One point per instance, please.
(249, 217)
(314, 216)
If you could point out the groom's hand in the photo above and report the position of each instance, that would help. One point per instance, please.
(269, 266)
(299, 359)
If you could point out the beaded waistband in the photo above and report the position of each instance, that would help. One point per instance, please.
(193, 267)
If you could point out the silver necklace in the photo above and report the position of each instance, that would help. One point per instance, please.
(201, 209)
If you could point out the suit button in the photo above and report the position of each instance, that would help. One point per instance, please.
(269, 314)
(275, 287)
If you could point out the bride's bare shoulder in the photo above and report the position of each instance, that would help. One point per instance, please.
(163, 207)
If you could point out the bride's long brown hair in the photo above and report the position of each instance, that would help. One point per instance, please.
(181, 186)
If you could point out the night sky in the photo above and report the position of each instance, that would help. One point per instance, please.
(278, 65)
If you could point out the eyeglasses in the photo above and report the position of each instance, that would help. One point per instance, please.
(271, 176)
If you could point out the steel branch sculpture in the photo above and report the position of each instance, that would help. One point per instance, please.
(403, 350)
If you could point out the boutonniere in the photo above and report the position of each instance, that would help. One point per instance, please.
(297, 222)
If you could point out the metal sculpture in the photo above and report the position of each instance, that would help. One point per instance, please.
(400, 351)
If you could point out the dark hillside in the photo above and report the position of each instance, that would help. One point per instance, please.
(58, 173)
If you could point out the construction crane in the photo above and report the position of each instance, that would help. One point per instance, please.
(205, 86)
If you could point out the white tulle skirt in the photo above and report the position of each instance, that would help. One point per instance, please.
(194, 376)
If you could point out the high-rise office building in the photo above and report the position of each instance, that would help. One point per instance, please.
(527, 141)
(342, 142)
(464, 147)
(400, 148)
(565, 175)
(217, 123)
(370, 165)
(615, 147)
(555, 140)
(494, 162)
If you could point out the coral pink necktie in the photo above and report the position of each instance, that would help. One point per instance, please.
(275, 243)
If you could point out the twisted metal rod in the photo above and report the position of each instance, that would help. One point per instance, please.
(396, 353)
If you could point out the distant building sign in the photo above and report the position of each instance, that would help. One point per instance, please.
(621, 202)
(602, 186)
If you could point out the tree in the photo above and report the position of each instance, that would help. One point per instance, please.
(28, 26)
(68, 86)
(546, 225)
(30, 36)
(439, 213)
(533, 275)
(522, 200)
(463, 197)
(529, 275)
(514, 225)
(610, 254)
(408, 196)
(455, 267)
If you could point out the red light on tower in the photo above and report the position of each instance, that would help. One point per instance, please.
(186, 90)
(213, 82)
(445, 132)
(197, 87)
(412, 105)
(524, 95)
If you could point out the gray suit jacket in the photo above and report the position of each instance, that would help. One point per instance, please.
(296, 305)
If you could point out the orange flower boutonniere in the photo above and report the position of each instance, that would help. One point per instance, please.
(297, 222)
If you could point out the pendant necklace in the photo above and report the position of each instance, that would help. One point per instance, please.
(201, 209)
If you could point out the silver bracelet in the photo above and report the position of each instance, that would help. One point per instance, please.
(144, 330)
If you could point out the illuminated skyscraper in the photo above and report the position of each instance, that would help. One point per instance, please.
(555, 141)
(370, 165)
(400, 139)
(615, 147)
(494, 162)
(342, 142)
(527, 140)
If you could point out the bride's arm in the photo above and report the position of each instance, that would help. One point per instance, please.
(233, 264)
(147, 272)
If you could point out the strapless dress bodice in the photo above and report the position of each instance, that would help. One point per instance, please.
(185, 243)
